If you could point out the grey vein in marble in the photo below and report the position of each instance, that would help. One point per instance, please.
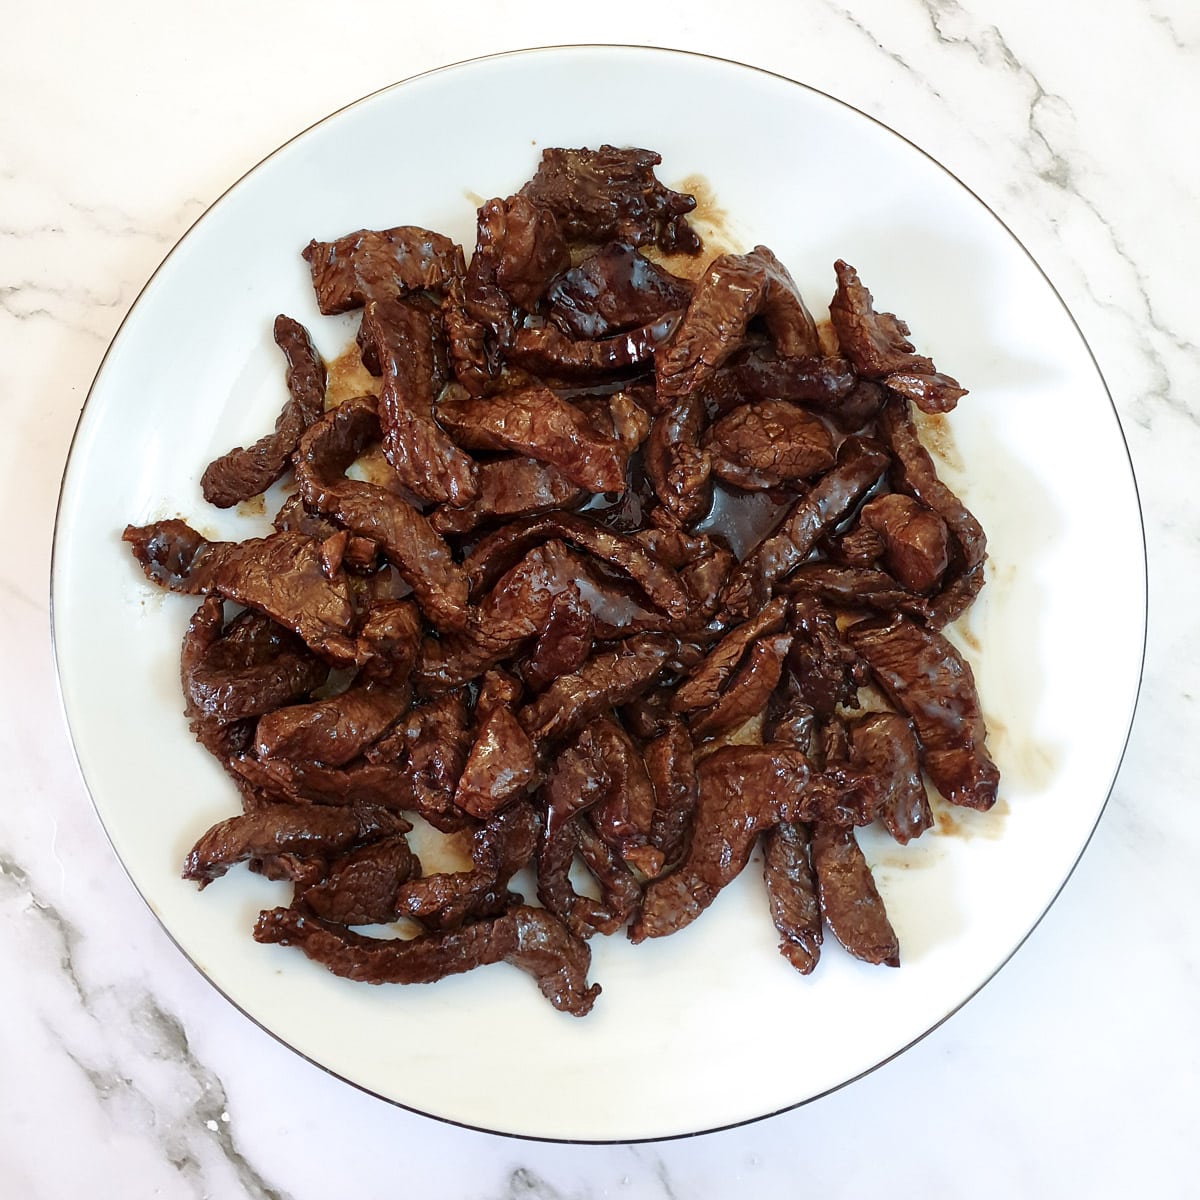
(188, 1134)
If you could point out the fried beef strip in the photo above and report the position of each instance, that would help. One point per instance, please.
(279, 576)
(608, 678)
(817, 381)
(913, 472)
(768, 443)
(613, 194)
(613, 290)
(285, 781)
(885, 745)
(878, 346)
(923, 675)
(792, 894)
(500, 765)
(401, 338)
(287, 829)
(749, 687)
(915, 540)
(379, 264)
(850, 901)
(243, 473)
(536, 422)
(860, 464)
(854, 588)
(671, 765)
(508, 488)
(735, 288)
(678, 466)
(360, 886)
(406, 538)
(827, 671)
(564, 643)
(529, 938)
(542, 348)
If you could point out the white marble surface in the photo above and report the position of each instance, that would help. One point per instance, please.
(123, 1073)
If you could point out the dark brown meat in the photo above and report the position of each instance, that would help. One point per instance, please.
(520, 246)
(768, 443)
(406, 538)
(236, 672)
(613, 290)
(878, 346)
(612, 194)
(624, 816)
(500, 551)
(818, 381)
(849, 898)
(916, 541)
(542, 348)
(431, 743)
(620, 891)
(923, 675)
(671, 765)
(607, 679)
(748, 689)
(742, 791)
(914, 473)
(709, 678)
(279, 576)
(510, 487)
(678, 466)
(564, 643)
(334, 731)
(363, 783)
(243, 473)
(427, 463)
(448, 899)
(792, 894)
(529, 938)
(500, 765)
(536, 422)
(735, 288)
(827, 671)
(884, 744)
(854, 588)
(360, 886)
(379, 265)
(287, 829)
(860, 465)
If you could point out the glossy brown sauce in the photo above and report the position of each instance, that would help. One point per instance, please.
(743, 519)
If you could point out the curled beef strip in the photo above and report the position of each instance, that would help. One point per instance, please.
(613, 194)
(529, 938)
(543, 348)
(827, 671)
(508, 488)
(379, 264)
(363, 783)
(427, 463)
(850, 901)
(564, 643)
(749, 687)
(915, 540)
(501, 550)
(431, 743)
(884, 744)
(613, 290)
(360, 885)
(854, 588)
(243, 473)
(735, 288)
(500, 765)
(678, 466)
(448, 899)
(336, 730)
(767, 444)
(817, 381)
(792, 894)
(623, 818)
(406, 538)
(860, 465)
(620, 891)
(609, 678)
(924, 677)
(287, 829)
(878, 346)
(536, 422)
(671, 765)
(237, 672)
(914, 473)
(280, 576)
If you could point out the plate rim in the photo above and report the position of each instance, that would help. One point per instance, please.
(534, 51)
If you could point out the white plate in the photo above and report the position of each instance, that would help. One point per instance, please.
(678, 1041)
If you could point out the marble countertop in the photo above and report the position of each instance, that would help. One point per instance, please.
(1074, 1072)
